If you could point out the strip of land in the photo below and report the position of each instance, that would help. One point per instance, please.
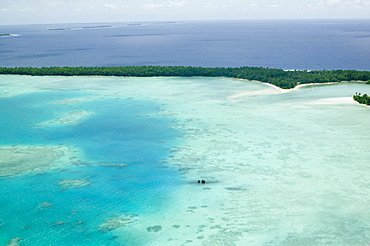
(278, 77)
(362, 99)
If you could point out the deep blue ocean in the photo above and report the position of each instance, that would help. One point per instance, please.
(287, 44)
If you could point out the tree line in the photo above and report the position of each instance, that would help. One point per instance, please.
(363, 99)
(279, 77)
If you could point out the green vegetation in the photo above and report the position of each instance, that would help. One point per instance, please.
(363, 99)
(278, 77)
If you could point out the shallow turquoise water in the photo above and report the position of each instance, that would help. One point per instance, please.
(114, 134)
(286, 168)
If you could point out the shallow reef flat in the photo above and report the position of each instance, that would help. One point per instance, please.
(72, 101)
(15, 241)
(26, 159)
(70, 183)
(70, 118)
(116, 222)
(23, 86)
(279, 168)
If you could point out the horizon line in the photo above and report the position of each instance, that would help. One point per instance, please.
(194, 20)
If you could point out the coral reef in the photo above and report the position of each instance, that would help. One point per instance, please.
(117, 222)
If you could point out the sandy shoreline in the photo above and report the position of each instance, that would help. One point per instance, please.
(268, 91)
(288, 90)
(278, 90)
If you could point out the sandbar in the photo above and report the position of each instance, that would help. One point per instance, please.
(8, 35)
(68, 101)
(280, 90)
(70, 118)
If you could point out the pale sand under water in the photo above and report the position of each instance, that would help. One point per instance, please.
(70, 118)
(26, 159)
(264, 185)
(261, 189)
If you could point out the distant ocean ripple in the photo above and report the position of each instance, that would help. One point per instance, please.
(298, 44)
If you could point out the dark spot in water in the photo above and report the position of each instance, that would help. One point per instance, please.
(234, 188)
(184, 169)
(155, 228)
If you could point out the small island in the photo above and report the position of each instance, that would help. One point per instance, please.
(8, 35)
(362, 99)
(279, 77)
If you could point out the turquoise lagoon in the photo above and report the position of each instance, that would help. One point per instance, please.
(115, 161)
